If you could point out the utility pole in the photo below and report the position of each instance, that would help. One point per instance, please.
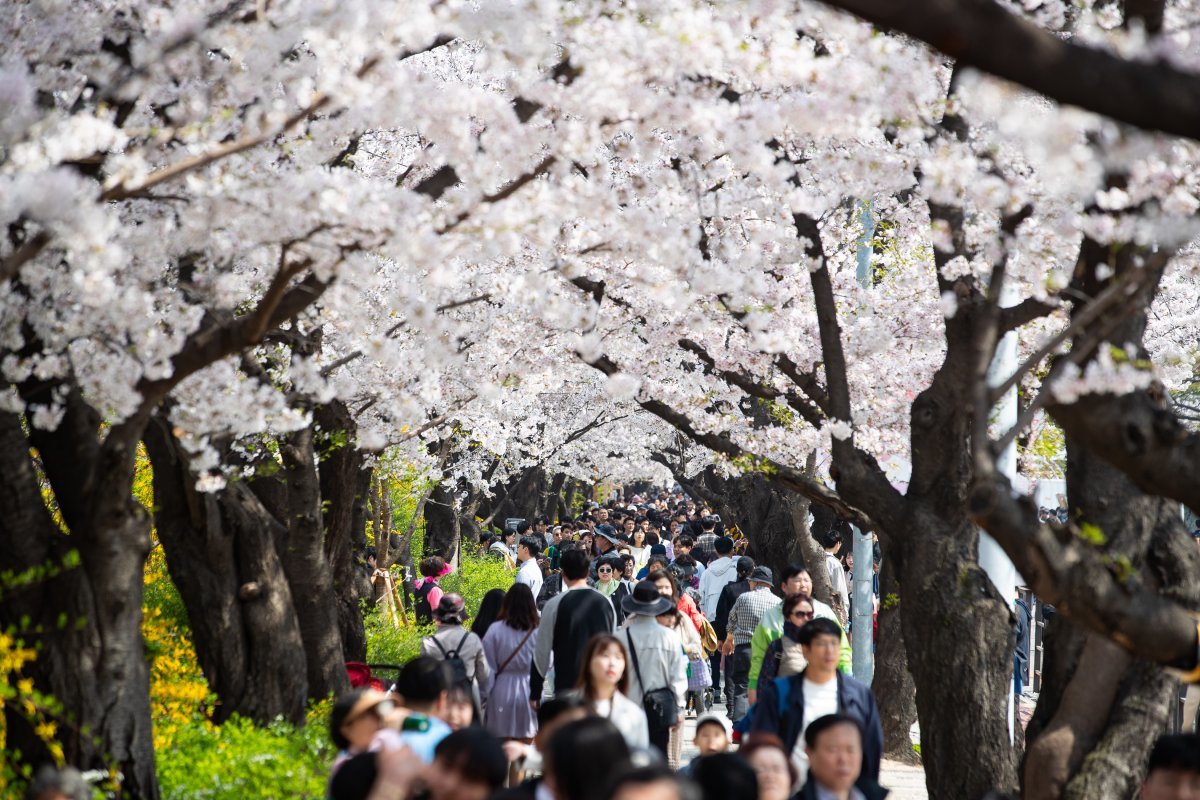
(862, 627)
(992, 558)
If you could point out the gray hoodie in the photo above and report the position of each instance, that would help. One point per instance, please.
(720, 572)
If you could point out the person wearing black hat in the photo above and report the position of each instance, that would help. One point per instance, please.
(658, 674)
(743, 619)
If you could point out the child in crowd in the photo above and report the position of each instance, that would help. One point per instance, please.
(714, 734)
(426, 591)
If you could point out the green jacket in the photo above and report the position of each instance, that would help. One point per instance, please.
(770, 628)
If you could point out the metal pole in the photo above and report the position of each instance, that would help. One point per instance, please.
(863, 627)
(862, 622)
(992, 557)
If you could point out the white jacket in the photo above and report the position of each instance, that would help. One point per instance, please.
(720, 572)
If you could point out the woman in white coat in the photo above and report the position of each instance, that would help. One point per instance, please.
(603, 682)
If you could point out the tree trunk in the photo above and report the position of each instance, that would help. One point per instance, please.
(344, 485)
(88, 618)
(441, 524)
(307, 569)
(220, 550)
(893, 683)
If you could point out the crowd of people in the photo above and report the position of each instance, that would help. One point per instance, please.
(574, 683)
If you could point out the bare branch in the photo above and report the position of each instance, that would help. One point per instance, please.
(807, 411)
(1024, 312)
(982, 33)
(505, 193)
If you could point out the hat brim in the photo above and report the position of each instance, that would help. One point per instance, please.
(631, 605)
(608, 536)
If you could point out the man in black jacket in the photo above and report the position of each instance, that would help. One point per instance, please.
(729, 595)
(569, 620)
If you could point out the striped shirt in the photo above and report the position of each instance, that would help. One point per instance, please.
(748, 610)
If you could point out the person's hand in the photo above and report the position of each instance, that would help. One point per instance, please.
(752, 696)
(514, 750)
(534, 704)
(397, 772)
(727, 646)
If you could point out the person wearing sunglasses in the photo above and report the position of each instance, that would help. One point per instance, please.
(783, 657)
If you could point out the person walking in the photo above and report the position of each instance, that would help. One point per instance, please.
(458, 647)
(796, 580)
(659, 677)
(508, 647)
(529, 572)
(722, 571)
(720, 622)
(568, 621)
(743, 619)
(604, 685)
(786, 706)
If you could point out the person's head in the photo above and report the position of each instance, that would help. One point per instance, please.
(629, 526)
(832, 541)
(833, 744)
(451, 610)
(795, 580)
(745, 566)
(646, 600)
(433, 566)
(552, 714)
(356, 717)
(627, 566)
(664, 581)
(821, 643)
(639, 537)
(652, 782)
(423, 685)
(589, 751)
(713, 734)
(776, 774)
(469, 764)
(669, 619)
(725, 776)
(1173, 772)
(723, 545)
(528, 548)
(518, 609)
(761, 578)
(460, 707)
(574, 565)
(509, 536)
(489, 611)
(556, 534)
(608, 569)
(604, 662)
(602, 515)
(708, 524)
(684, 545)
(798, 610)
(52, 783)
(371, 557)
(605, 541)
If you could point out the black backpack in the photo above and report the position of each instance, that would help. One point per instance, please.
(457, 666)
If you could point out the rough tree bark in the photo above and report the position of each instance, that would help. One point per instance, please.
(893, 683)
(86, 619)
(344, 484)
(302, 553)
(220, 552)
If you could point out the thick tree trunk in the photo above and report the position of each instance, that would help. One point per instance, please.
(307, 569)
(893, 683)
(220, 550)
(344, 485)
(441, 524)
(86, 619)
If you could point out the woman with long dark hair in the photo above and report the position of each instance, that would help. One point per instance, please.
(603, 682)
(489, 612)
(508, 646)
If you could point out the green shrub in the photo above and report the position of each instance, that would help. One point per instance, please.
(239, 760)
(477, 576)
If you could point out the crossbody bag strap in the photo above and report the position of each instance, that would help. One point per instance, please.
(633, 655)
(514, 652)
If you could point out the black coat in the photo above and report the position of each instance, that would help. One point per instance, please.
(870, 789)
(730, 592)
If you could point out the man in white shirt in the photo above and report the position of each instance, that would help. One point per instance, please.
(787, 705)
(832, 542)
(529, 573)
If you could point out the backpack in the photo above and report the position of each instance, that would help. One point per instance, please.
(457, 666)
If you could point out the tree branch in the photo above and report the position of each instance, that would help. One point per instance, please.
(1063, 569)
(1023, 313)
(981, 33)
(807, 411)
(1139, 436)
